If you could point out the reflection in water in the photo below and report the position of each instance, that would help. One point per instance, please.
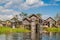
(45, 36)
(2, 37)
(17, 36)
(20, 36)
(58, 36)
(54, 36)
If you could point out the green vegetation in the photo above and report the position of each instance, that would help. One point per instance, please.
(8, 30)
(52, 29)
(39, 14)
(57, 16)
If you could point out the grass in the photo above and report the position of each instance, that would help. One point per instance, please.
(8, 30)
(53, 29)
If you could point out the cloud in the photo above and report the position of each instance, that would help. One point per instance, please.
(6, 14)
(7, 11)
(57, 0)
(32, 3)
(4, 1)
(24, 5)
(10, 12)
(19, 4)
(5, 17)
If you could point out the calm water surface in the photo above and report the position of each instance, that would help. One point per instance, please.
(54, 36)
(20, 36)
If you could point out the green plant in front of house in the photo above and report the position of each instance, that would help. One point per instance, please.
(8, 30)
(53, 29)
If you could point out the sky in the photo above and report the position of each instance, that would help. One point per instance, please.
(48, 8)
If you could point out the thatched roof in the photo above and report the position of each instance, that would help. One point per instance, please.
(26, 19)
(50, 18)
(34, 15)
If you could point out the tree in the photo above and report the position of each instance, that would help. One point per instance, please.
(38, 14)
(15, 18)
(23, 14)
(57, 16)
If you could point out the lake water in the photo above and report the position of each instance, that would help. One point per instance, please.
(54, 36)
(21, 36)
